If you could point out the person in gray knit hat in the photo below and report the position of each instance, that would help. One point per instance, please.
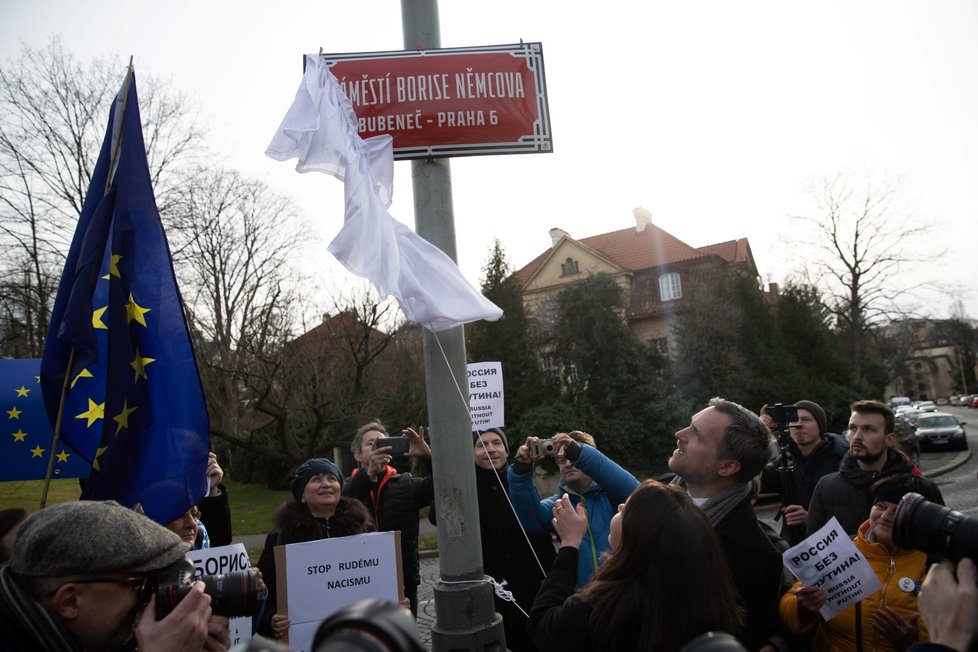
(815, 452)
(78, 577)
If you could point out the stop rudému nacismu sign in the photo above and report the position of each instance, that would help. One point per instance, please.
(452, 101)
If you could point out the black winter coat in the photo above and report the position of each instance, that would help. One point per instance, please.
(808, 470)
(507, 556)
(756, 568)
(845, 494)
(295, 524)
(394, 502)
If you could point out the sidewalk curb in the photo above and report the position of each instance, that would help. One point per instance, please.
(960, 460)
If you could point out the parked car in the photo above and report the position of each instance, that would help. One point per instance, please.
(907, 439)
(912, 415)
(897, 401)
(941, 430)
(927, 406)
(974, 401)
(941, 401)
(965, 400)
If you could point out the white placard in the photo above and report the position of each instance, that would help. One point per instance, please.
(830, 560)
(219, 561)
(486, 407)
(322, 577)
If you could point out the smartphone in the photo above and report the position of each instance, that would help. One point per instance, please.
(399, 445)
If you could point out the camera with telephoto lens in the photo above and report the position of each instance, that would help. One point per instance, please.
(937, 530)
(782, 415)
(232, 594)
(370, 625)
(543, 447)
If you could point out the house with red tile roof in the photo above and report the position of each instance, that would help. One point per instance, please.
(654, 268)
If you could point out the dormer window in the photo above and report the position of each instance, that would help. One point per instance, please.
(569, 267)
(670, 287)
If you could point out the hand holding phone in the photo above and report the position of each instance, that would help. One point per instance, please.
(398, 445)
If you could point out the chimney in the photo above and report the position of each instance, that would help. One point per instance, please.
(555, 235)
(773, 290)
(643, 218)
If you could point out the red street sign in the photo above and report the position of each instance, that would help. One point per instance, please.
(452, 101)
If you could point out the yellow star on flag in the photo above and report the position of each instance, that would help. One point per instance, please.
(22, 391)
(14, 413)
(37, 451)
(97, 318)
(95, 412)
(19, 435)
(135, 311)
(98, 454)
(139, 364)
(114, 265)
(84, 373)
(123, 417)
(63, 456)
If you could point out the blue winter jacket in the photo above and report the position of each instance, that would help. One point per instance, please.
(611, 487)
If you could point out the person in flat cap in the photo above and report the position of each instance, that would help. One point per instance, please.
(79, 578)
(889, 618)
(317, 511)
(815, 452)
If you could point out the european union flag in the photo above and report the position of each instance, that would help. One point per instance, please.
(118, 345)
(25, 441)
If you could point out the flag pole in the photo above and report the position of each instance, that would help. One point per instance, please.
(57, 430)
(116, 145)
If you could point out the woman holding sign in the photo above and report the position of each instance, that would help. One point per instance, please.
(318, 512)
(887, 619)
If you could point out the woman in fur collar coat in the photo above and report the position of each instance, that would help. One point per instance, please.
(318, 512)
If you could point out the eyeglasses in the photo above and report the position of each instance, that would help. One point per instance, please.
(138, 583)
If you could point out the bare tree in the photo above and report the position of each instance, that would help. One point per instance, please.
(860, 238)
(232, 242)
(53, 112)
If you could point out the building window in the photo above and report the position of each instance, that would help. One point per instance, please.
(549, 316)
(670, 287)
(569, 267)
(551, 368)
(660, 345)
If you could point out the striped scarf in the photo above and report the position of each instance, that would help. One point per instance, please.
(26, 625)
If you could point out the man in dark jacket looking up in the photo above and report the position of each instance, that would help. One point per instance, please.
(722, 448)
(871, 456)
(814, 452)
(393, 499)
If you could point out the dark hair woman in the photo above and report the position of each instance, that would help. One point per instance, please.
(318, 512)
(665, 581)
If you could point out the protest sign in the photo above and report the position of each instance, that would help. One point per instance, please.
(830, 560)
(318, 578)
(219, 561)
(486, 407)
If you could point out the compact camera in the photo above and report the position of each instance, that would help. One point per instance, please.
(232, 594)
(543, 447)
(782, 415)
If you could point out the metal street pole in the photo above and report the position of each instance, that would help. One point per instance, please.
(466, 618)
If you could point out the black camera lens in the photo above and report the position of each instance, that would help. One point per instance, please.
(232, 594)
(934, 529)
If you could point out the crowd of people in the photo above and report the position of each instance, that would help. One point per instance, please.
(608, 562)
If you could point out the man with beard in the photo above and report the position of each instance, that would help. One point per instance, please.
(845, 493)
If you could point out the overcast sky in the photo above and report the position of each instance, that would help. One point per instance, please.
(713, 115)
